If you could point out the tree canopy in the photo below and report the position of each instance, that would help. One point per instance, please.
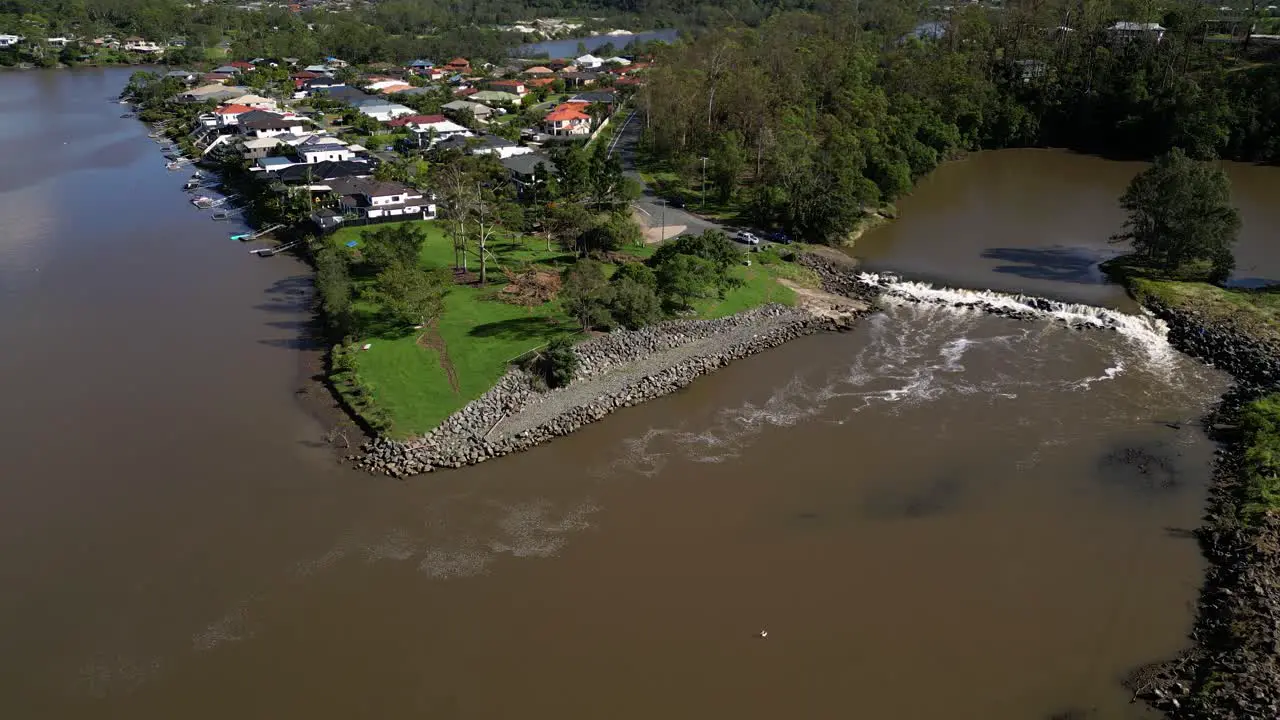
(1181, 218)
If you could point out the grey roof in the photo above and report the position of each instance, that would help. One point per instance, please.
(598, 96)
(367, 187)
(226, 69)
(323, 171)
(527, 164)
(461, 142)
(262, 120)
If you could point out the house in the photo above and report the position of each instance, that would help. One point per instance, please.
(406, 120)
(318, 69)
(632, 82)
(59, 42)
(528, 168)
(539, 71)
(260, 123)
(458, 65)
(8, 41)
(228, 70)
(228, 114)
(348, 95)
(494, 97)
(540, 82)
(484, 145)
(258, 148)
(335, 63)
(255, 101)
(214, 92)
(607, 99)
(186, 77)
(514, 87)
(391, 88)
(429, 133)
(567, 119)
(476, 110)
(241, 65)
(588, 62)
(138, 45)
(382, 110)
(321, 148)
(321, 172)
(1126, 32)
(579, 79)
(616, 60)
(420, 67)
(381, 201)
(273, 163)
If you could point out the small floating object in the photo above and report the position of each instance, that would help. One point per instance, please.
(126, 116)
(222, 216)
(763, 634)
(242, 236)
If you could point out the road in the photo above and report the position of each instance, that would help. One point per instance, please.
(650, 206)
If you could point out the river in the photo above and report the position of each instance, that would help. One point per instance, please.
(940, 514)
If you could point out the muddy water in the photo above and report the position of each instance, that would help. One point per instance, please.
(938, 515)
(1038, 221)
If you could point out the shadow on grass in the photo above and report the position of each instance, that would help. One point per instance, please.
(525, 328)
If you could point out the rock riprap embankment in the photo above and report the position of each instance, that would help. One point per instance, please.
(617, 370)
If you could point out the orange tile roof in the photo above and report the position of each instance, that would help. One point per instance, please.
(568, 111)
(233, 109)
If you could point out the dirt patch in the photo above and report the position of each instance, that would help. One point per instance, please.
(433, 340)
(655, 235)
(822, 303)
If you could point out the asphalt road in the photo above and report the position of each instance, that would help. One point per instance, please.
(652, 208)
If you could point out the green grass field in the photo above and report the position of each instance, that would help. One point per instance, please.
(480, 334)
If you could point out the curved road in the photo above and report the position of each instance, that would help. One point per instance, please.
(650, 206)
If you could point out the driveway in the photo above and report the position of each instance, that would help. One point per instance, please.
(651, 209)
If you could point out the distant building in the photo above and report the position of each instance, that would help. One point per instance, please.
(8, 41)
(1126, 32)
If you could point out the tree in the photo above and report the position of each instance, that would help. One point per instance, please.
(567, 222)
(682, 278)
(1181, 217)
(725, 163)
(713, 246)
(584, 292)
(559, 362)
(391, 245)
(634, 298)
(409, 295)
(333, 282)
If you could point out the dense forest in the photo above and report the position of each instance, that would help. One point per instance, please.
(810, 121)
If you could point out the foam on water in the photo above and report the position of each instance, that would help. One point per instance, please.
(1150, 333)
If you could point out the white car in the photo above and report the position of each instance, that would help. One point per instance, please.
(748, 238)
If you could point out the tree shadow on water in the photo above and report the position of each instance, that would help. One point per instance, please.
(1058, 263)
(525, 328)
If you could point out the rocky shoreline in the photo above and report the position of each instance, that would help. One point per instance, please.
(617, 370)
(1233, 668)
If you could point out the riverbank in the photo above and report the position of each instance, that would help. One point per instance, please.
(615, 371)
(1232, 669)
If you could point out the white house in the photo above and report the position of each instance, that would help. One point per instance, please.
(8, 41)
(383, 111)
(485, 145)
(382, 201)
(257, 148)
(261, 124)
(143, 46)
(319, 148)
(58, 41)
(1130, 31)
(616, 60)
(430, 133)
(588, 62)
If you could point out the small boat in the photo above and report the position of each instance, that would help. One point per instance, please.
(242, 236)
(175, 165)
(191, 185)
(203, 201)
(126, 116)
(221, 216)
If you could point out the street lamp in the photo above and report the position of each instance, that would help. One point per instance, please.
(704, 183)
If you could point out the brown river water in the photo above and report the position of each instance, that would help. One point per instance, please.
(940, 514)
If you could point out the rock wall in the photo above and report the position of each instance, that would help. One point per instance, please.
(1251, 361)
(1232, 669)
(465, 437)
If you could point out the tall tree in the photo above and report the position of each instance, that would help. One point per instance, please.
(411, 296)
(585, 293)
(1181, 217)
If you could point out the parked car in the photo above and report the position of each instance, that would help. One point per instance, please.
(676, 201)
(748, 238)
(780, 237)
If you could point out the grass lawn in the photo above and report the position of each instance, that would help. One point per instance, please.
(480, 334)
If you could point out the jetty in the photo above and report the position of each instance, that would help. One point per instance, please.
(268, 252)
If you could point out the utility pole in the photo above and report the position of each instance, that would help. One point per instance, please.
(704, 183)
(664, 219)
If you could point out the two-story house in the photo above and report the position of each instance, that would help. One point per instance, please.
(567, 119)
(260, 123)
(381, 201)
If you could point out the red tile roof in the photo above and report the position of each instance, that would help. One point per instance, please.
(241, 64)
(233, 109)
